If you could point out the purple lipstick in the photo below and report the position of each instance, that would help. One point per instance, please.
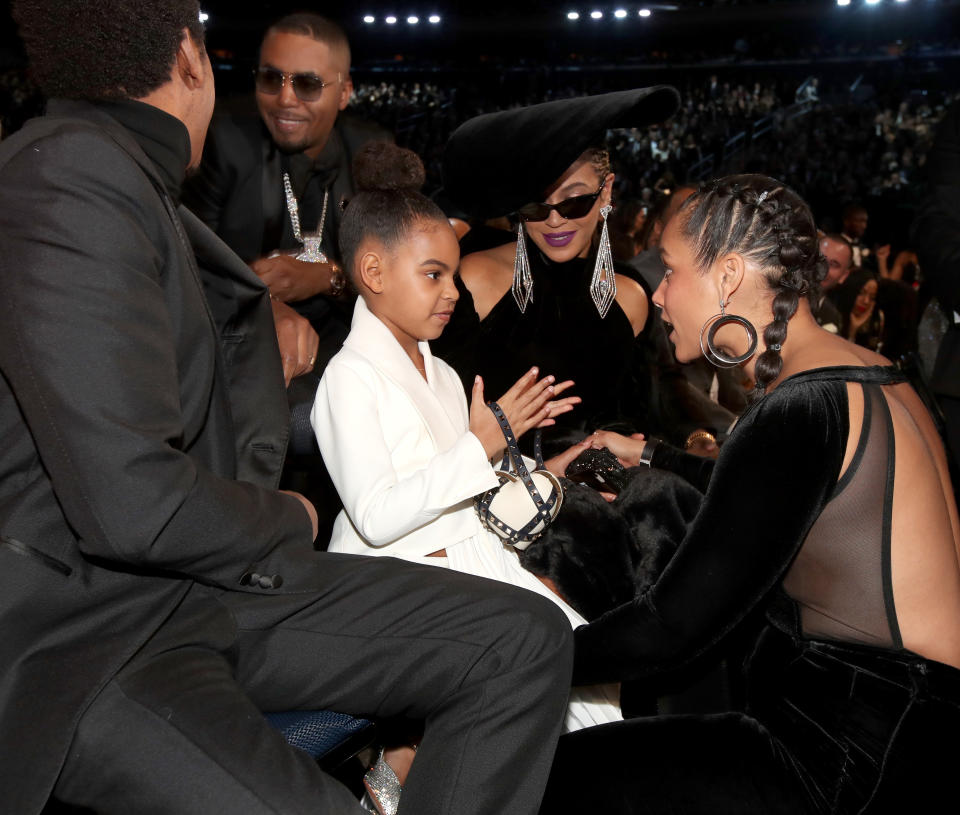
(559, 238)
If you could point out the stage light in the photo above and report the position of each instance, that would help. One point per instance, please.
(573, 15)
(872, 2)
(204, 16)
(433, 18)
(644, 12)
(369, 19)
(596, 15)
(843, 2)
(413, 19)
(620, 13)
(390, 20)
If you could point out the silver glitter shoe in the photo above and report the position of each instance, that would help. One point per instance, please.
(382, 786)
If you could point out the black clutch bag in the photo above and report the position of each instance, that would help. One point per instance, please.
(599, 469)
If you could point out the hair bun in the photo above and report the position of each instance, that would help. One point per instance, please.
(386, 167)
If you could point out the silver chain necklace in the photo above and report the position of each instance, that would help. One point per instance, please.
(311, 243)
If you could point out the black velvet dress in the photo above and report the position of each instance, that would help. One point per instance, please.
(841, 718)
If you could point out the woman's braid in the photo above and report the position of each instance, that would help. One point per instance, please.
(773, 228)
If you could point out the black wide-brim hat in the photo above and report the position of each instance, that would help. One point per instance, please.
(495, 163)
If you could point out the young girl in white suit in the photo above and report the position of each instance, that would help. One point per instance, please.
(404, 452)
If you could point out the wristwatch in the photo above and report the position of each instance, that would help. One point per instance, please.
(647, 455)
(338, 280)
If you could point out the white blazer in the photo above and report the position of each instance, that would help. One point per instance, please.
(397, 447)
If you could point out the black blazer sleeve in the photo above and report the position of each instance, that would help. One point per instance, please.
(109, 349)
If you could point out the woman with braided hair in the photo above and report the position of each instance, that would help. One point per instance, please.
(830, 511)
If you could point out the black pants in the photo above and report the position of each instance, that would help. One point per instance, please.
(832, 728)
(179, 730)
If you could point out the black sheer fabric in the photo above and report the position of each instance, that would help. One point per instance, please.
(841, 577)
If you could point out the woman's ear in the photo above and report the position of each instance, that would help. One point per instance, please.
(607, 193)
(732, 268)
(370, 272)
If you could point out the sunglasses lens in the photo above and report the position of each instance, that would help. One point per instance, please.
(307, 87)
(534, 212)
(269, 80)
(576, 207)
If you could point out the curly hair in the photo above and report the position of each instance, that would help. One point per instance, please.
(769, 225)
(104, 49)
(389, 201)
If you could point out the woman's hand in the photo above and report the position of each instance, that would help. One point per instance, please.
(857, 321)
(529, 403)
(559, 463)
(627, 449)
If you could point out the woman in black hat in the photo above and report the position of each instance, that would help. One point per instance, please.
(553, 296)
(830, 511)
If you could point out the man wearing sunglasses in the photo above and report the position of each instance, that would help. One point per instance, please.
(272, 177)
(295, 156)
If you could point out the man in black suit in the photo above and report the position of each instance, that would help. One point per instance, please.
(296, 154)
(157, 591)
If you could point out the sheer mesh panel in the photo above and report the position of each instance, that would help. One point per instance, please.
(841, 577)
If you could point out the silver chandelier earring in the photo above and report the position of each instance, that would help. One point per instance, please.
(709, 332)
(522, 279)
(603, 284)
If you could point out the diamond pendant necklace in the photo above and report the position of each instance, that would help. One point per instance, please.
(311, 243)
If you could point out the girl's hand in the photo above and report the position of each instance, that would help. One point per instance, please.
(529, 403)
(627, 449)
(559, 463)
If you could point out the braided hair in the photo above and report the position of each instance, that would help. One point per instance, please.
(770, 226)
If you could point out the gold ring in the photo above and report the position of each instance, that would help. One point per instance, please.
(312, 360)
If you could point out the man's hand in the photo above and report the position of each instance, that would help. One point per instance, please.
(292, 280)
(311, 510)
(297, 340)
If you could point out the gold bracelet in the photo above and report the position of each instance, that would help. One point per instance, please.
(696, 436)
(338, 280)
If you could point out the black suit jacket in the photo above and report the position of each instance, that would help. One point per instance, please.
(238, 191)
(142, 428)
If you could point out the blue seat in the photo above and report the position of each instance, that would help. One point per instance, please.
(330, 738)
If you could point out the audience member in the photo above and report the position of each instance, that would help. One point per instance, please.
(838, 254)
(861, 321)
(159, 592)
(854, 225)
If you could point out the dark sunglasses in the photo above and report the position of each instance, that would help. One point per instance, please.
(307, 87)
(575, 207)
